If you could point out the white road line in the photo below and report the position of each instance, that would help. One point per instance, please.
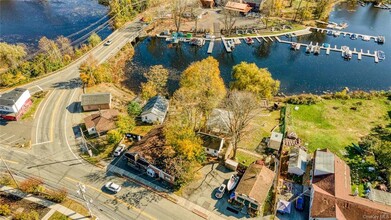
(15, 141)
(39, 116)
(35, 113)
(17, 151)
(3, 135)
(46, 142)
(39, 87)
(65, 128)
(7, 138)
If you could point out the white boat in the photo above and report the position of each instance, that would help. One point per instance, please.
(336, 33)
(366, 38)
(231, 44)
(232, 182)
(346, 52)
(381, 55)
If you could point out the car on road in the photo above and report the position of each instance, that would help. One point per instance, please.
(118, 151)
(115, 188)
(108, 43)
(300, 203)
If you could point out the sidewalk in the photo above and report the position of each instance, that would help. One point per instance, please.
(53, 206)
(196, 209)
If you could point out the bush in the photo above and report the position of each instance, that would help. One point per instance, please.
(134, 109)
(114, 136)
(31, 185)
(5, 210)
(33, 215)
(5, 180)
(305, 99)
(56, 195)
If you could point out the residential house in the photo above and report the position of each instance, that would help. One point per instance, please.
(256, 5)
(218, 121)
(14, 104)
(102, 122)
(96, 101)
(155, 110)
(212, 144)
(238, 7)
(147, 156)
(297, 161)
(275, 141)
(331, 193)
(254, 187)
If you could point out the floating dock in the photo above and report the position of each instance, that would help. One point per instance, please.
(344, 33)
(227, 48)
(210, 47)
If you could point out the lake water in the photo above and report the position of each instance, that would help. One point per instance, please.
(26, 21)
(297, 71)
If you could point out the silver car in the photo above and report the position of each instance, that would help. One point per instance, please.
(115, 188)
(118, 151)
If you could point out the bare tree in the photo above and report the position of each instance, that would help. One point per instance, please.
(229, 18)
(241, 107)
(178, 8)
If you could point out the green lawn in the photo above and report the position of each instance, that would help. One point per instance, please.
(36, 99)
(333, 124)
(59, 216)
(245, 158)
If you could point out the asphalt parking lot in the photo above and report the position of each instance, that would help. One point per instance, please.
(15, 133)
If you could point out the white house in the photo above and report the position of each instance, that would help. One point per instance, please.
(218, 121)
(14, 103)
(212, 144)
(297, 161)
(155, 110)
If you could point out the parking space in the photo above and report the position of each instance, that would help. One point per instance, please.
(291, 194)
(15, 133)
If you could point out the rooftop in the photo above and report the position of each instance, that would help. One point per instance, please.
(236, 6)
(9, 98)
(95, 99)
(256, 182)
(157, 105)
(102, 121)
(211, 141)
(297, 158)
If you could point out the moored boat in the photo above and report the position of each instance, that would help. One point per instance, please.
(381, 55)
(308, 49)
(325, 45)
(381, 39)
(353, 36)
(366, 38)
(317, 50)
(232, 182)
(293, 46)
(249, 40)
(336, 33)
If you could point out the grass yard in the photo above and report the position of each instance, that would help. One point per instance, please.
(59, 216)
(245, 158)
(334, 124)
(36, 99)
(260, 127)
(75, 206)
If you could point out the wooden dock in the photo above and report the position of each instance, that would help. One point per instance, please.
(258, 39)
(210, 47)
(227, 48)
(337, 49)
(344, 33)
(264, 39)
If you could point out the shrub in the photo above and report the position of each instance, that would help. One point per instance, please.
(31, 185)
(5, 180)
(56, 195)
(305, 99)
(5, 210)
(33, 215)
(114, 136)
(134, 109)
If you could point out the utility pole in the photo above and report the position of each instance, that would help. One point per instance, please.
(81, 192)
(9, 171)
(84, 142)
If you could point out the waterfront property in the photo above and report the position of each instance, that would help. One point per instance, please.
(212, 144)
(253, 188)
(14, 104)
(96, 101)
(155, 110)
(331, 193)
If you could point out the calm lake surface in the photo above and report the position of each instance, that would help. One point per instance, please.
(298, 72)
(26, 21)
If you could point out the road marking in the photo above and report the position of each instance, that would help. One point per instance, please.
(11, 161)
(3, 135)
(54, 111)
(39, 87)
(40, 114)
(17, 151)
(46, 142)
(35, 113)
(112, 197)
(7, 138)
(15, 140)
(65, 128)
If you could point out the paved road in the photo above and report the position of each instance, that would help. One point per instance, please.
(54, 158)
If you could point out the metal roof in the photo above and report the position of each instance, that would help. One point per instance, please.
(324, 163)
(95, 99)
(157, 105)
(9, 98)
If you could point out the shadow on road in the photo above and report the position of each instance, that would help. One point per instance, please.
(62, 161)
(71, 84)
(74, 107)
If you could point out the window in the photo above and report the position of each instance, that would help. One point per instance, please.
(215, 151)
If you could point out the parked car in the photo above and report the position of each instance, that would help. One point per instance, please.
(108, 43)
(300, 203)
(118, 151)
(220, 191)
(115, 188)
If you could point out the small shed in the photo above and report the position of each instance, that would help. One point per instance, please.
(297, 161)
(275, 141)
(231, 164)
(212, 144)
(96, 101)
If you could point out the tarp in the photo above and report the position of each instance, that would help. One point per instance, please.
(284, 206)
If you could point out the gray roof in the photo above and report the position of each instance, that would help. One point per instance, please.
(157, 105)
(95, 99)
(219, 118)
(324, 163)
(9, 98)
(276, 137)
(297, 158)
(211, 141)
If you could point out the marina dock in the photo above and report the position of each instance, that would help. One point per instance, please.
(210, 47)
(227, 48)
(335, 49)
(344, 33)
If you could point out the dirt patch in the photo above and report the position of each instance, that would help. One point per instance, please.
(22, 205)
